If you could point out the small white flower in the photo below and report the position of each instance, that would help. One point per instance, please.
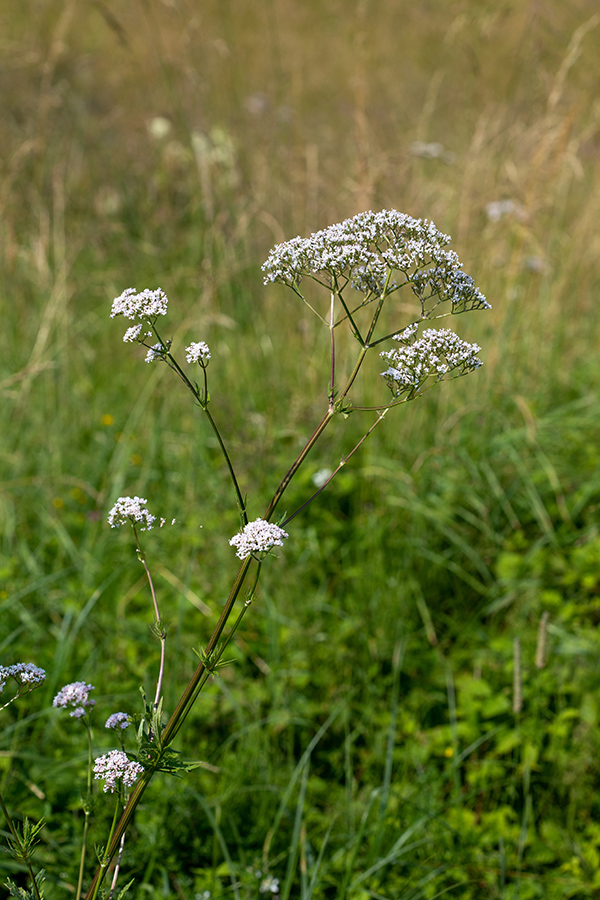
(75, 695)
(118, 720)
(197, 353)
(157, 351)
(116, 766)
(257, 537)
(128, 511)
(133, 333)
(321, 477)
(158, 127)
(497, 209)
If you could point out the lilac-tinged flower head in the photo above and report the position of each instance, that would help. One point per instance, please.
(119, 721)
(198, 353)
(75, 696)
(116, 766)
(436, 354)
(257, 538)
(23, 673)
(129, 511)
(27, 676)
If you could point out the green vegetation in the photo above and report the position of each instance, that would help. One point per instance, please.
(413, 708)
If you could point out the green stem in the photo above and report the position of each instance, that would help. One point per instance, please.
(203, 403)
(174, 724)
(105, 861)
(159, 626)
(86, 811)
(202, 673)
(344, 460)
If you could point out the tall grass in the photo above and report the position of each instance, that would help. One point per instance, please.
(402, 771)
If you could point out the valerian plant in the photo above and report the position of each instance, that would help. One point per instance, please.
(362, 265)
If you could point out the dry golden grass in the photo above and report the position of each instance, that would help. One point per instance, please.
(284, 117)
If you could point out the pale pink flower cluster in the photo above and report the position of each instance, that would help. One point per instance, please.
(257, 538)
(129, 511)
(75, 695)
(116, 766)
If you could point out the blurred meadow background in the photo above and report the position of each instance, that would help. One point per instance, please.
(413, 710)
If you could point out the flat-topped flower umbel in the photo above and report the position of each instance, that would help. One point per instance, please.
(367, 249)
(128, 511)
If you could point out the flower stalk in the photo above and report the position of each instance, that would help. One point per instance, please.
(363, 254)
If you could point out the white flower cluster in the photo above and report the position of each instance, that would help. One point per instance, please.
(147, 305)
(118, 720)
(198, 353)
(23, 673)
(257, 537)
(437, 353)
(116, 766)
(128, 511)
(451, 284)
(363, 250)
(75, 695)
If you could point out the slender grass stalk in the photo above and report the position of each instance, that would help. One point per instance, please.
(159, 628)
(86, 811)
(113, 883)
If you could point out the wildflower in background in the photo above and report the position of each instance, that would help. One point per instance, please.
(497, 209)
(116, 766)
(269, 885)
(321, 477)
(257, 537)
(118, 721)
(438, 353)
(27, 676)
(128, 511)
(198, 352)
(75, 695)
(24, 674)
